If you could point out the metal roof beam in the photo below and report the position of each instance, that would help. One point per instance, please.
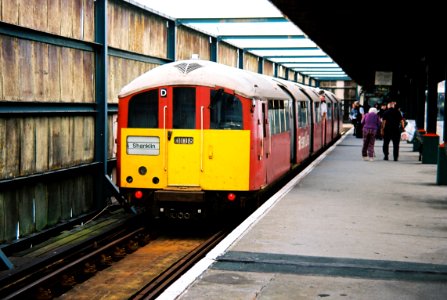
(295, 56)
(231, 20)
(323, 64)
(318, 69)
(259, 37)
(280, 48)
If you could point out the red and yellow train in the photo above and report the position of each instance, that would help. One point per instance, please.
(196, 137)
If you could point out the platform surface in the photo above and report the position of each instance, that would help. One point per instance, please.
(348, 229)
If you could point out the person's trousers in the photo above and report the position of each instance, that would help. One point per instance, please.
(369, 139)
(395, 137)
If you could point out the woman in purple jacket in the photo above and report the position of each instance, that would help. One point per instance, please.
(371, 124)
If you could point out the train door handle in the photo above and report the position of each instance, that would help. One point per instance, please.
(169, 135)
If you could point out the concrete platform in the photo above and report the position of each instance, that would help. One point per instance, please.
(343, 229)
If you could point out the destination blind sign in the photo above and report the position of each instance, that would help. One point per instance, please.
(143, 145)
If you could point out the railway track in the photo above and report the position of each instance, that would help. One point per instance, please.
(129, 263)
(156, 286)
(145, 273)
(56, 265)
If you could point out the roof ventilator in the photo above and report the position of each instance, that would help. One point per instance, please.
(186, 68)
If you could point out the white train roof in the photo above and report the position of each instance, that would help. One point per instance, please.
(206, 73)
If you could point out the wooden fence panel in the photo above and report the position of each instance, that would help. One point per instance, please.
(190, 42)
(69, 18)
(89, 20)
(24, 201)
(135, 30)
(227, 55)
(9, 215)
(10, 135)
(10, 68)
(10, 11)
(88, 86)
(268, 68)
(32, 71)
(27, 146)
(54, 16)
(40, 194)
(1, 60)
(41, 142)
(26, 71)
(41, 71)
(54, 74)
(251, 62)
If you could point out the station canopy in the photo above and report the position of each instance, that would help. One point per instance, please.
(255, 26)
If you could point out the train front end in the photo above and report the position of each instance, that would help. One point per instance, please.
(183, 150)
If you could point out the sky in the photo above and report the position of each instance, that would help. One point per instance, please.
(213, 8)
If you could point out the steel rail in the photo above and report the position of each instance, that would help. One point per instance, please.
(164, 280)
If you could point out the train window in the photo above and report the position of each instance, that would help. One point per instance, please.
(184, 103)
(272, 117)
(317, 112)
(225, 111)
(280, 114)
(329, 110)
(287, 110)
(279, 111)
(143, 110)
(303, 114)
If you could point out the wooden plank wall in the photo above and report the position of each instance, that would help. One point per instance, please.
(227, 55)
(68, 18)
(251, 62)
(134, 30)
(190, 42)
(268, 68)
(34, 71)
(36, 207)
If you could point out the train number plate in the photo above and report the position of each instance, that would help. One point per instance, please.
(183, 140)
(143, 145)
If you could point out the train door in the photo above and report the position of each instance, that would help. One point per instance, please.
(267, 133)
(292, 121)
(291, 115)
(312, 124)
(183, 141)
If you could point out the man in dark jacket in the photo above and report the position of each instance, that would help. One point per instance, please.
(392, 126)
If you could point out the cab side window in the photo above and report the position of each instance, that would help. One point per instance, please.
(225, 111)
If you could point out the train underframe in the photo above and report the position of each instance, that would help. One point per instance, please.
(196, 205)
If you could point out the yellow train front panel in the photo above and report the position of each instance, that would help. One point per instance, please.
(208, 159)
(143, 148)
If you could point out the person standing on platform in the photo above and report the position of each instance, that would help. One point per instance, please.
(392, 127)
(323, 111)
(356, 116)
(371, 124)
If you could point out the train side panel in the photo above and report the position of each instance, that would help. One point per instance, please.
(278, 160)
